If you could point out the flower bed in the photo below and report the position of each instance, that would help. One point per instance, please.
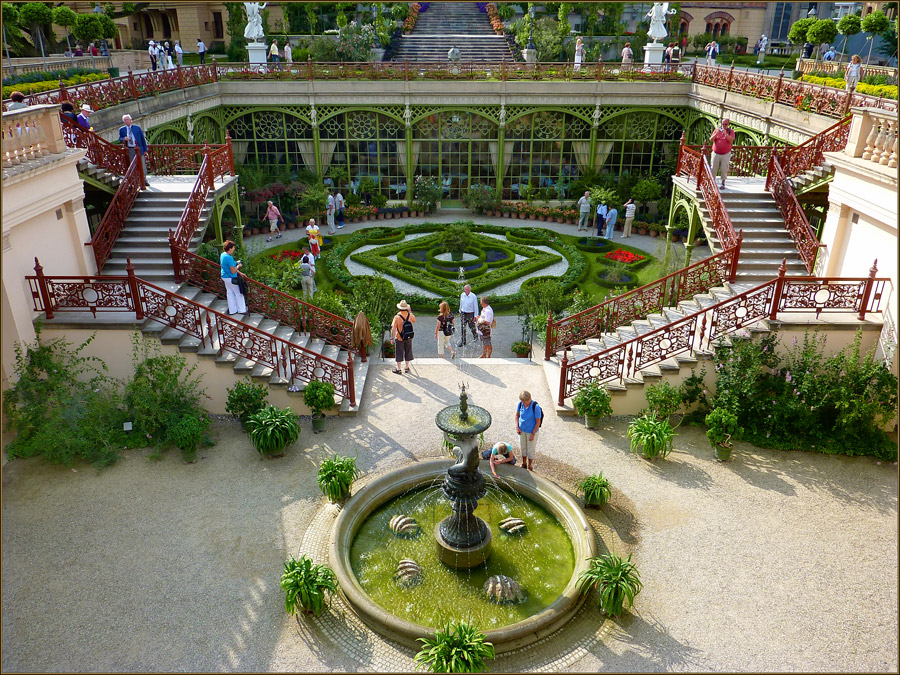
(292, 255)
(627, 257)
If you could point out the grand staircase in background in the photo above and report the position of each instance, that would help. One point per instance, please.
(453, 24)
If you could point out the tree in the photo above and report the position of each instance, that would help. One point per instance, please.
(823, 30)
(237, 19)
(798, 33)
(35, 15)
(888, 45)
(65, 17)
(847, 26)
(875, 23)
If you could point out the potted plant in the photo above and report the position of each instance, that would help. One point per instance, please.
(663, 400)
(272, 430)
(305, 585)
(336, 475)
(617, 580)
(651, 435)
(246, 398)
(722, 426)
(592, 401)
(186, 435)
(595, 490)
(521, 349)
(388, 349)
(456, 239)
(319, 397)
(458, 648)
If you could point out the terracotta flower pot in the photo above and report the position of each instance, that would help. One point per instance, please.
(642, 230)
(653, 233)
(254, 230)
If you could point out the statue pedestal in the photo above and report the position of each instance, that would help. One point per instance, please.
(257, 52)
(530, 55)
(653, 53)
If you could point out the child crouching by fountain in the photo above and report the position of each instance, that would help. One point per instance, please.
(501, 453)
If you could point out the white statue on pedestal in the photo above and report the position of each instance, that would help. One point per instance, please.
(254, 29)
(658, 20)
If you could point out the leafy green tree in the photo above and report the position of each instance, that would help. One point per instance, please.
(875, 23)
(888, 45)
(847, 26)
(65, 17)
(798, 32)
(823, 30)
(91, 27)
(237, 19)
(36, 15)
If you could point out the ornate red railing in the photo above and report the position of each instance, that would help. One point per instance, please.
(746, 160)
(214, 329)
(795, 220)
(698, 332)
(810, 153)
(271, 303)
(694, 164)
(117, 213)
(100, 152)
(638, 303)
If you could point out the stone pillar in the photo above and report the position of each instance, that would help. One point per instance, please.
(256, 52)
(530, 55)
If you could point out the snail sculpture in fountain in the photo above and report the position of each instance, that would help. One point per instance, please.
(503, 590)
(408, 573)
(404, 526)
(513, 526)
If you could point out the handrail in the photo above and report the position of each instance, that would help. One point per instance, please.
(271, 303)
(795, 220)
(128, 293)
(699, 331)
(638, 303)
(113, 221)
(694, 164)
(100, 152)
(746, 160)
(810, 153)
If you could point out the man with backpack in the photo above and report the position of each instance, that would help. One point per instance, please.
(308, 273)
(402, 334)
(529, 418)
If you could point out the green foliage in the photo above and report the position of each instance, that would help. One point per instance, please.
(375, 297)
(520, 347)
(823, 30)
(319, 396)
(542, 296)
(305, 584)
(330, 302)
(876, 22)
(209, 250)
(64, 16)
(800, 29)
(456, 237)
(35, 13)
(187, 433)
(51, 75)
(427, 191)
(849, 24)
(92, 27)
(379, 201)
(653, 436)
(246, 398)
(10, 14)
(272, 430)
(646, 190)
(237, 43)
(312, 201)
(480, 196)
(608, 195)
(593, 400)
(457, 648)
(723, 425)
(356, 42)
(596, 489)
(615, 578)
(336, 475)
(663, 399)
(693, 391)
(802, 400)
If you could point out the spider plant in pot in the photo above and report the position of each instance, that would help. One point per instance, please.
(722, 426)
(272, 430)
(595, 489)
(592, 401)
(651, 435)
(305, 584)
(336, 475)
(319, 397)
(616, 579)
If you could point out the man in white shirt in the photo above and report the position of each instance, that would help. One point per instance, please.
(630, 207)
(151, 49)
(201, 50)
(179, 53)
(584, 207)
(329, 214)
(485, 325)
(339, 207)
(468, 306)
(602, 210)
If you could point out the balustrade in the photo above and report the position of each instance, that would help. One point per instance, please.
(880, 140)
(30, 134)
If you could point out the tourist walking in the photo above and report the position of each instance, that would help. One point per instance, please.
(84, 117)
(168, 49)
(132, 136)
(722, 138)
(179, 53)
(18, 101)
(851, 76)
(529, 418)
(161, 56)
(676, 53)
(667, 55)
(579, 53)
(627, 54)
(486, 324)
(339, 207)
(273, 215)
(273, 54)
(630, 208)
(236, 301)
(611, 217)
(201, 50)
(402, 333)
(314, 234)
(600, 221)
(288, 55)
(307, 273)
(329, 214)
(151, 49)
(500, 453)
(584, 211)
(468, 307)
(443, 331)
(712, 51)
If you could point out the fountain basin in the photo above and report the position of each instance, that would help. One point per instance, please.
(385, 488)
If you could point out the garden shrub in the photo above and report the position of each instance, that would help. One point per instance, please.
(803, 400)
(330, 302)
(50, 85)
(56, 75)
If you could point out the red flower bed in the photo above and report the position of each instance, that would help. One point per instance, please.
(624, 256)
(291, 255)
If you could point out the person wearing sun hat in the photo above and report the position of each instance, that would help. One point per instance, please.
(84, 117)
(402, 335)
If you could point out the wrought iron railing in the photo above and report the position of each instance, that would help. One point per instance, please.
(698, 332)
(214, 329)
(746, 160)
(810, 153)
(113, 221)
(795, 220)
(693, 164)
(100, 152)
(638, 303)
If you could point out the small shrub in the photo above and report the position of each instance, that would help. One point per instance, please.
(186, 434)
(723, 425)
(520, 347)
(272, 430)
(319, 397)
(330, 302)
(616, 579)
(595, 489)
(457, 648)
(305, 585)
(336, 475)
(456, 237)
(593, 400)
(663, 400)
(245, 398)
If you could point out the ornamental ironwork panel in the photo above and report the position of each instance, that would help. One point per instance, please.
(93, 295)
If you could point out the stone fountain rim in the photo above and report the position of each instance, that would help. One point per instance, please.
(514, 636)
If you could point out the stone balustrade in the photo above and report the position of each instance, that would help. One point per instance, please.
(873, 137)
(30, 135)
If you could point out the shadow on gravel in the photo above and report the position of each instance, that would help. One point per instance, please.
(321, 641)
(682, 474)
(650, 647)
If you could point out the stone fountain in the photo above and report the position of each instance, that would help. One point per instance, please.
(463, 539)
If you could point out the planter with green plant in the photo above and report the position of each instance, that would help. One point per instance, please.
(186, 435)
(319, 397)
(663, 400)
(592, 401)
(722, 427)
(305, 585)
(615, 578)
(521, 349)
(595, 489)
(456, 239)
(272, 430)
(336, 476)
(245, 398)
(456, 648)
(651, 435)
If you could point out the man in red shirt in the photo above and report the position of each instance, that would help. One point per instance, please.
(721, 140)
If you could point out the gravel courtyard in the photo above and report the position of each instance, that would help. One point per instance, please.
(773, 562)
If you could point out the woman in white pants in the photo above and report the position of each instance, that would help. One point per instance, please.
(236, 302)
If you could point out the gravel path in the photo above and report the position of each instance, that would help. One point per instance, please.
(775, 561)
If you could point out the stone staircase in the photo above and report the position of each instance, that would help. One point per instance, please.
(101, 177)
(812, 179)
(447, 24)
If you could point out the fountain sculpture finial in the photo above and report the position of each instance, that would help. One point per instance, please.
(463, 404)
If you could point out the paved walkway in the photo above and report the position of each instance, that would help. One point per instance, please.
(776, 561)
